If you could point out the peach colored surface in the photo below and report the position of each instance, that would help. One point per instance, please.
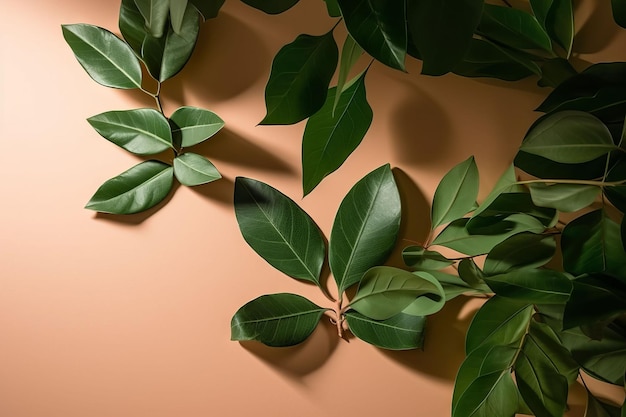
(104, 316)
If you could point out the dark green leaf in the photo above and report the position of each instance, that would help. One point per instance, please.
(569, 137)
(616, 194)
(442, 31)
(470, 273)
(540, 167)
(537, 286)
(524, 250)
(138, 189)
(623, 232)
(420, 258)
(193, 169)
(453, 286)
(276, 320)
(106, 58)
(592, 243)
(489, 215)
(299, 79)
(619, 12)
(564, 197)
(555, 71)
(560, 24)
(400, 332)
(194, 125)
(544, 338)
(456, 194)
(379, 27)
(177, 11)
(333, 8)
(507, 183)
(350, 54)
(597, 408)
(140, 131)
(331, 136)
(595, 298)
(155, 13)
(365, 228)
(494, 394)
(279, 230)
(208, 8)
(271, 7)
(513, 27)
(540, 9)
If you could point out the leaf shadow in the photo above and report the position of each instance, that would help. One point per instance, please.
(589, 39)
(220, 191)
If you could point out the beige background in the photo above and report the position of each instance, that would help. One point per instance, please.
(129, 316)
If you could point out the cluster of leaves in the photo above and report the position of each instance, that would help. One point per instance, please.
(160, 36)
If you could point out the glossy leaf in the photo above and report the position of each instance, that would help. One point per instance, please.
(595, 298)
(155, 13)
(487, 396)
(379, 27)
(106, 58)
(140, 131)
(193, 169)
(560, 24)
(208, 8)
(513, 27)
(592, 243)
(330, 137)
(442, 31)
(271, 7)
(456, 194)
(564, 197)
(137, 189)
(385, 291)
(537, 286)
(177, 11)
(430, 303)
(350, 54)
(597, 408)
(194, 125)
(276, 320)
(299, 79)
(619, 12)
(524, 250)
(400, 332)
(569, 137)
(420, 258)
(279, 230)
(365, 228)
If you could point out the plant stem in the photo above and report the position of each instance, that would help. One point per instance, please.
(577, 182)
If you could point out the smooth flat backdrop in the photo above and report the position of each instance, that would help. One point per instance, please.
(106, 316)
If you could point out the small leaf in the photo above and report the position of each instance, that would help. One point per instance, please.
(400, 332)
(140, 131)
(513, 27)
(420, 258)
(569, 137)
(138, 189)
(564, 197)
(155, 13)
(329, 138)
(276, 320)
(365, 228)
(177, 11)
(333, 8)
(193, 169)
(560, 24)
(537, 286)
(470, 273)
(456, 194)
(271, 7)
(379, 27)
(106, 58)
(195, 125)
(299, 79)
(350, 54)
(524, 250)
(619, 12)
(279, 230)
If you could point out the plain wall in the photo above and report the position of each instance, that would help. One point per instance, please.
(129, 316)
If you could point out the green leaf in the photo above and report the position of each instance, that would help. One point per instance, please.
(271, 7)
(400, 332)
(487, 218)
(597, 408)
(540, 9)
(193, 169)
(513, 27)
(494, 394)
(560, 24)
(470, 273)
(330, 137)
(507, 183)
(194, 125)
(137, 189)
(365, 228)
(524, 250)
(456, 194)
(279, 230)
(592, 243)
(385, 291)
(299, 79)
(619, 12)
(500, 321)
(177, 11)
(623, 232)
(333, 8)
(430, 303)
(276, 320)
(555, 71)
(540, 167)
(569, 137)
(538, 286)
(442, 31)
(616, 194)
(208, 8)
(420, 258)
(549, 346)
(106, 58)
(379, 27)
(350, 54)
(155, 13)
(454, 286)
(564, 197)
(140, 131)
(595, 298)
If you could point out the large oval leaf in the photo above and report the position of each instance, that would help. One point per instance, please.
(537, 286)
(279, 230)
(569, 137)
(141, 187)
(400, 332)
(524, 250)
(193, 169)
(271, 7)
(330, 137)
(564, 197)
(276, 320)
(365, 228)
(513, 27)
(379, 27)
(299, 79)
(194, 125)
(140, 131)
(456, 194)
(106, 58)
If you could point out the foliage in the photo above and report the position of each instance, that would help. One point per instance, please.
(160, 36)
